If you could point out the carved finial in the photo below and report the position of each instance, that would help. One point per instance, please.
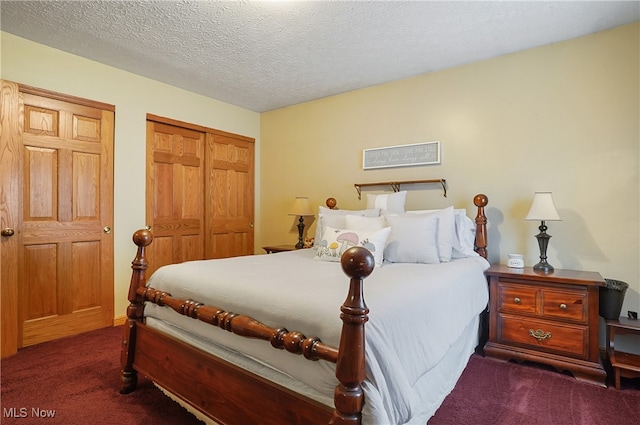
(331, 203)
(142, 237)
(357, 262)
(480, 200)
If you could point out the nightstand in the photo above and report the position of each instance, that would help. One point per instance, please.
(279, 248)
(546, 318)
(623, 364)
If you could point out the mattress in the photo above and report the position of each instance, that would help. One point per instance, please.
(423, 318)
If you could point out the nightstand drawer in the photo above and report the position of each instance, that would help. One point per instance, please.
(543, 335)
(566, 305)
(517, 298)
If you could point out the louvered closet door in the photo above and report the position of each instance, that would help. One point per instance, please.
(65, 213)
(175, 191)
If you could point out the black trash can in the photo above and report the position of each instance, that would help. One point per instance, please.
(611, 298)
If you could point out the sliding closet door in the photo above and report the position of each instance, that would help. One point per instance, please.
(229, 195)
(62, 229)
(175, 191)
(200, 192)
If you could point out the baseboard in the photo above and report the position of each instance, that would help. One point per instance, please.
(119, 320)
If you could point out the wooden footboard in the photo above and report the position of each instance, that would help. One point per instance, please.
(218, 389)
(214, 383)
(229, 394)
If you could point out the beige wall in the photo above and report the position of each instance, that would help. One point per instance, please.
(133, 96)
(563, 117)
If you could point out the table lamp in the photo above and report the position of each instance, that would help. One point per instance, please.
(543, 209)
(301, 208)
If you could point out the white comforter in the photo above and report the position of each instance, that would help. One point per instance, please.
(417, 312)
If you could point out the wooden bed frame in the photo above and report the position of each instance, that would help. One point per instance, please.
(230, 395)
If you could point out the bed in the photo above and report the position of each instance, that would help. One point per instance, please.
(418, 336)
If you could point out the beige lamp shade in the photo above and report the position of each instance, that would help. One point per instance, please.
(301, 207)
(543, 208)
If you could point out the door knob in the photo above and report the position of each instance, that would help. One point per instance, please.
(7, 232)
(106, 229)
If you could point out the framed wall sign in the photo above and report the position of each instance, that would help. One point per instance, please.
(426, 153)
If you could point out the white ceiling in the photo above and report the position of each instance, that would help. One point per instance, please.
(263, 55)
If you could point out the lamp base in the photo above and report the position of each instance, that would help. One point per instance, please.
(543, 267)
(543, 241)
(300, 243)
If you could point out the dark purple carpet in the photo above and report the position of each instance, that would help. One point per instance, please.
(76, 381)
(505, 393)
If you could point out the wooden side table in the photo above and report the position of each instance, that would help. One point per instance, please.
(279, 248)
(546, 318)
(623, 364)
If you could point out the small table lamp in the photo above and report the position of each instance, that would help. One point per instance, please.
(301, 208)
(543, 209)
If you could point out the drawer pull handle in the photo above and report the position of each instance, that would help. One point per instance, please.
(563, 306)
(539, 334)
(517, 300)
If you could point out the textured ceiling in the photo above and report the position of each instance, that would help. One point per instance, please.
(266, 55)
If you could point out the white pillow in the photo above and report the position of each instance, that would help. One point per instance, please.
(465, 243)
(465, 233)
(393, 202)
(446, 230)
(412, 239)
(336, 219)
(335, 242)
(356, 222)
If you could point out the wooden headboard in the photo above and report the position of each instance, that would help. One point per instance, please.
(481, 201)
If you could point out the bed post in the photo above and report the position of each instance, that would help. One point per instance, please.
(481, 201)
(357, 263)
(129, 380)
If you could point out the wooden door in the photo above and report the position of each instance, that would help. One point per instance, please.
(200, 192)
(229, 199)
(174, 195)
(64, 201)
(10, 160)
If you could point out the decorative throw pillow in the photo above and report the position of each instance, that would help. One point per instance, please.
(336, 218)
(355, 222)
(412, 239)
(393, 202)
(446, 230)
(335, 242)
